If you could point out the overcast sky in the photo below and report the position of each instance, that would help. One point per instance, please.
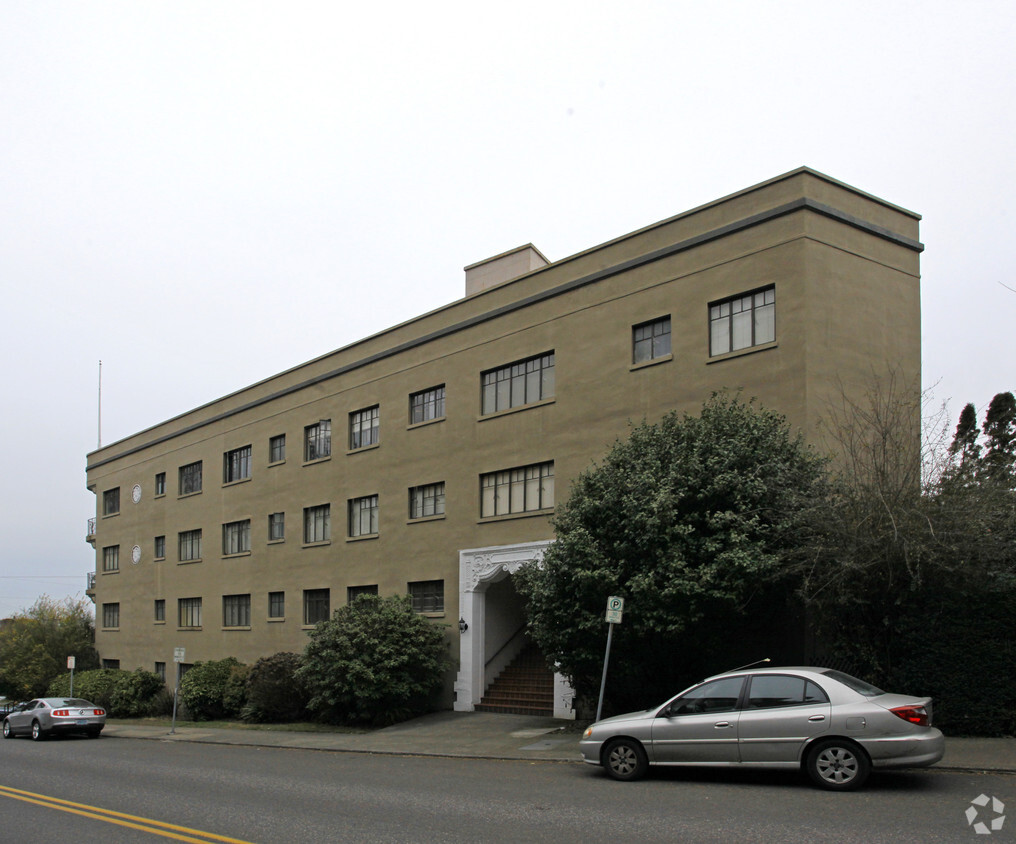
(202, 194)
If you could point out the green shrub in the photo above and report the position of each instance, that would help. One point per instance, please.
(123, 694)
(374, 661)
(203, 688)
(273, 692)
(95, 686)
(234, 694)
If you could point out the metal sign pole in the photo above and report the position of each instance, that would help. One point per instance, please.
(179, 655)
(603, 682)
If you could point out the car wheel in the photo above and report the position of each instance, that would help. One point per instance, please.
(37, 733)
(8, 732)
(838, 765)
(625, 759)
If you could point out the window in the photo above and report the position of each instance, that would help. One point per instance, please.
(190, 612)
(236, 537)
(318, 440)
(525, 382)
(160, 609)
(111, 502)
(427, 595)
(190, 545)
(521, 490)
(276, 527)
(363, 516)
(236, 610)
(190, 478)
(651, 340)
(111, 558)
(315, 605)
(742, 322)
(160, 483)
(236, 465)
(364, 427)
(160, 548)
(277, 449)
(317, 523)
(160, 670)
(354, 592)
(771, 690)
(113, 664)
(427, 405)
(276, 604)
(716, 696)
(426, 501)
(110, 615)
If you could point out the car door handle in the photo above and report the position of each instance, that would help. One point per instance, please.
(817, 718)
(722, 724)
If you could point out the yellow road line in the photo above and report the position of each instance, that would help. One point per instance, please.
(166, 830)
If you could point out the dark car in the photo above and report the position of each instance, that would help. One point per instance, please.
(46, 716)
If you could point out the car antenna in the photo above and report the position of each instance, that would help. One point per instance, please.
(749, 665)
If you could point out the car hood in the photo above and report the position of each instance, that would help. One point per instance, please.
(627, 716)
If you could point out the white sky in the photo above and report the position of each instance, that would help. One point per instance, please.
(201, 194)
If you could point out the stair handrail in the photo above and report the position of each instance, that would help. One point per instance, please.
(507, 642)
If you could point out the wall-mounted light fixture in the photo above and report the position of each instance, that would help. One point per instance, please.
(463, 627)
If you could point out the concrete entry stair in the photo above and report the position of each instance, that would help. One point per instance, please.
(525, 687)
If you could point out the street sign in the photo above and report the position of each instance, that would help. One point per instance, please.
(70, 662)
(178, 654)
(615, 608)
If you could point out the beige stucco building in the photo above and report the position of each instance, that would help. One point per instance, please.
(428, 458)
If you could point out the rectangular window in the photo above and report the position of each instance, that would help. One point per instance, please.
(236, 465)
(190, 478)
(315, 605)
(651, 340)
(363, 516)
(742, 322)
(520, 383)
(354, 592)
(236, 610)
(426, 501)
(113, 664)
(190, 612)
(160, 609)
(111, 502)
(190, 545)
(427, 595)
(110, 615)
(160, 483)
(364, 427)
(427, 405)
(276, 527)
(111, 558)
(160, 670)
(236, 537)
(277, 449)
(318, 440)
(521, 490)
(317, 523)
(160, 548)
(276, 604)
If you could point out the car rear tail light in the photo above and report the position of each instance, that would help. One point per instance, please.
(98, 711)
(62, 713)
(914, 714)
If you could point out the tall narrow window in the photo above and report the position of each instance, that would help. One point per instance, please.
(190, 478)
(236, 610)
(315, 605)
(651, 340)
(317, 523)
(111, 502)
(276, 604)
(521, 490)
(190, 545)
(236, 465)
(236, 537)
(160, 547)
(427, 405)
(363, 519)
(160, 483)
(160, 609)
(111, 558)
(425, 501)
(110, 615)
(524, 382)
(742, 322)
(276, 527)
(364, 427)
(318, 440)
(189, 612)
(277, 449)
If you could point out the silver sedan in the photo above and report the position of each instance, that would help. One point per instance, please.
(46, 716)
(829, 724)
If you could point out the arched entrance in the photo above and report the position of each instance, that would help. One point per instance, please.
(494, 622)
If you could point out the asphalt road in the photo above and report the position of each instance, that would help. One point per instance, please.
(119, 790)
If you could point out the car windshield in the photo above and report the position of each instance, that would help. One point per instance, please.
(858, 686)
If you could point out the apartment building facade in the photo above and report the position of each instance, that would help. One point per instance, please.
(427, 459)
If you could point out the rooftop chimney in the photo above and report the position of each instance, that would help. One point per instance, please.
(504, 267)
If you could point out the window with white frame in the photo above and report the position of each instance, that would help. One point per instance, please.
(427, 405)
(277, 449)
(111, 502)
(427, 500)
(742, 322)
(317, 440)
(317, 523)
(110, 615)
(521, 490)
(276, 527)
(651, 340)
(276, 604)
(315, 605)
(427, 595)
(517, 384)
(236, 465)
(363, 520)
(364, 427)
(189, 612)
(236, 610)
(190, 478)
(190, 545)
(111, 558)
(236, 537)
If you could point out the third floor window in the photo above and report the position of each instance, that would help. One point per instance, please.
(236, 465)
(318, 440)
(364, 427)
(524, 382)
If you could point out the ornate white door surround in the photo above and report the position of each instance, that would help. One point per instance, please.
(478, 569)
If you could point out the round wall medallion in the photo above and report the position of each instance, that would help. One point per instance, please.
(136, 554)
(136, 493)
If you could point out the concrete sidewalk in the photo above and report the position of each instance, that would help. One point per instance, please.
(485, 735)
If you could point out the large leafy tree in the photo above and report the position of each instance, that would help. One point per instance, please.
(688, 518)
(35, 644)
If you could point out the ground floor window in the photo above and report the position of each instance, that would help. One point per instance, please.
(315, 605)
(427, 595)
(110, 615)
